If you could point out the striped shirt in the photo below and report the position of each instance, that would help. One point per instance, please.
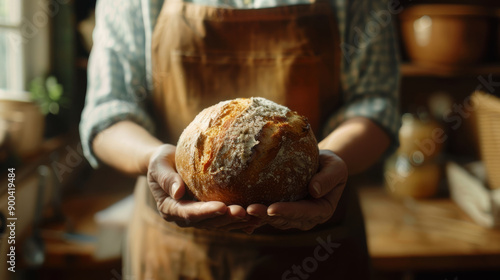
(120, 72)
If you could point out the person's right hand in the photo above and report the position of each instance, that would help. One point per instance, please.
(168, 190)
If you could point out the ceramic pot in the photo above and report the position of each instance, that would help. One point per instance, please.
(445, 34)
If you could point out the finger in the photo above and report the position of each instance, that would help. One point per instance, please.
(304, 214)
(281, 223)
(158, 193)
(162, 188)
(170, 181)
(234, 214)
(257, 210)
(237, 211)
(187, 211)
(275, 219)
(314, 210)
(162, 171)
(333, 197)
(332, 173)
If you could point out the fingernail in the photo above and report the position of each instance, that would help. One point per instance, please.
(273, 214)
(175, 188)
(254, 214)
(317, 188)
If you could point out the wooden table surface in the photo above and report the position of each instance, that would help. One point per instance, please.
(436, 235)
(428, 234)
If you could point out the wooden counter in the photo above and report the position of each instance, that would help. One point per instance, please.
(436, 235)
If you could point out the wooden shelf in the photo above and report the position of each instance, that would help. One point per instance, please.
(409, 69)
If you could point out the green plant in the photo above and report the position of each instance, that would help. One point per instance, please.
(48, 93)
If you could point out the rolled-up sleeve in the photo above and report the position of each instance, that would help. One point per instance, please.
(370, 66)
(117, 82)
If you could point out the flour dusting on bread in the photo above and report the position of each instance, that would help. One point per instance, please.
(247, 150)
(241, 137)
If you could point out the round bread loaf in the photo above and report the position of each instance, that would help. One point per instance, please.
(247, 150)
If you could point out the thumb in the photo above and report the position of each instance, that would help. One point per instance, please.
(332, 173)
(170, 180)
(162, 171)
(176, 187)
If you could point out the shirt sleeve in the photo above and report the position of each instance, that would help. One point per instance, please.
(117, 79)
(370, 65)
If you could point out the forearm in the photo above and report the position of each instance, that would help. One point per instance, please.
(359, 142)
(126, 146)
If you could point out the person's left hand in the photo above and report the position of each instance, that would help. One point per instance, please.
(326, 188)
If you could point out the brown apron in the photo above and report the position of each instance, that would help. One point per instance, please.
(202, 55)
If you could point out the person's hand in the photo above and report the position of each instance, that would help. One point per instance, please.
(168, 190)
(326, 188)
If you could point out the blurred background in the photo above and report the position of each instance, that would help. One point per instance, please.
(432, 208)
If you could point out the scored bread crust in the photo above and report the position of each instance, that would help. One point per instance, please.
(247, 150)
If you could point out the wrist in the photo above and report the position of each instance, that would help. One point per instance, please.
(163, 152)
(145, 158)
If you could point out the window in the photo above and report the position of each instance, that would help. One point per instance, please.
(11, 48)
